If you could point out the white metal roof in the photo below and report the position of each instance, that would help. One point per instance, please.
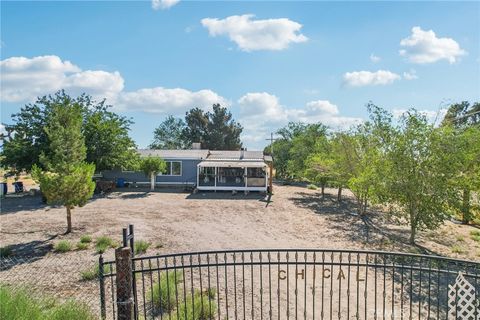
(233, 164)
(175, 154)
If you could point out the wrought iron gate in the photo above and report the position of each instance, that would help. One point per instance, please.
(296, 284)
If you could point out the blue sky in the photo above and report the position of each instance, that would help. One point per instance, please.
(285, 61)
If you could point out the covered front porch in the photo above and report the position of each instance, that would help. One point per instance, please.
(232, 175)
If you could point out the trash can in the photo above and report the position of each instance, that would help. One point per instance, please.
(3, 188)
(18, 186)
(120, 182)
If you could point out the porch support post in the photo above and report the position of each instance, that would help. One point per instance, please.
(270, 178)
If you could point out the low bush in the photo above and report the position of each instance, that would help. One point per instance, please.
(94, 272)
(163, 293)
(82, 246)
(457, 249)
(312, 187)
(103, 243)
(475, 235)
(141, 246)
(63, 246)
(86, 238)
(201, 307)
(6, 251)
(460, 238)
(18, 303)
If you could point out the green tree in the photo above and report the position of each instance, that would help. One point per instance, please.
(419, 171)
(169, 135)
(215, 130)
(152, 166)
(464, 119)
(107, 142)
(67, 178)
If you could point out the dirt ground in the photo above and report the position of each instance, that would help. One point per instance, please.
(174, 221)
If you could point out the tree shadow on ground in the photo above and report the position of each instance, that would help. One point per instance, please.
(369, 229)
(21, 202)
(26, 252)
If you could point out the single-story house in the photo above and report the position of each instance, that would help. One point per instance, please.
(205, 170)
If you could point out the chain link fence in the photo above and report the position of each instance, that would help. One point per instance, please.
(63, 276)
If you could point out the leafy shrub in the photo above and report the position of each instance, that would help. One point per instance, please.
(63, 246)
(94, 272)
(18, 303)
(141, 246)
(475, 235)
(103, 243)
(312, 187)
(6, 251)
(460, 238)
(457, 249)
(86, 238)
(82, 246)
(201, 308)
(163, 292)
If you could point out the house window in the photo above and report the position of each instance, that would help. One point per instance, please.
(173, 168)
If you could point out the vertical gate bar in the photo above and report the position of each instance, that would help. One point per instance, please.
(278, 285)
(375, 261)
(331, 284)
(296, 285)
(357, 313)
(367, 264)
(348, 284)
(176, 284)
(113, 295)
(243, 283)
(288, 286)
(209, 290)
(192, 288)
(218, 287)
(270, 283)
(305, 288)
(143, 290)
(235, 284)
(159, 282)
(420, 291)
(168, 290)
(151, 284)
(199, 263)
(103, 311)
(438, 290)
(477, 293)
(411, 288)
(384, 258)
(182, 261)
(401, 289)
(226, 285)
(340, 288)
(261, 285)
(314, 283)
(393, 288)
(323, 283)
(429, 284)
(251, 281)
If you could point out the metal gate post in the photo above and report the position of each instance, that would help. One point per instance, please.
(103, 310)
(123, 261)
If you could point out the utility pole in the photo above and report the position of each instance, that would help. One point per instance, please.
(272, 140)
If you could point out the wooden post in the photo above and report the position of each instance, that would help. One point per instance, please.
(123, 261)
(270, 165)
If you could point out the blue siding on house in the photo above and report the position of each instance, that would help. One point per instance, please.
(189, 174)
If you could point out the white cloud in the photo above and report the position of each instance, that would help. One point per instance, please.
(167, 101)
(261, 113)
(374, 58)
(410, 75)
(368, 78)
(23, 79)
(163, 4)
(251, 35)
(424, 47)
